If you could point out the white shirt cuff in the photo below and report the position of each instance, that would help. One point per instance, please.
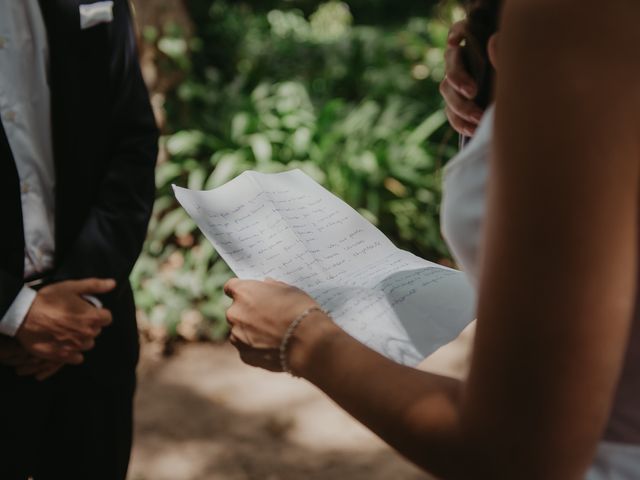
(17, 312)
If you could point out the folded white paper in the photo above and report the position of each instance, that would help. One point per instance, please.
(288, 227)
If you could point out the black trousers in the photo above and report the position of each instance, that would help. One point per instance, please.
(78, 424)
(70, 427)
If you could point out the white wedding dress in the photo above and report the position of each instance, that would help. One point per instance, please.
(463, 211)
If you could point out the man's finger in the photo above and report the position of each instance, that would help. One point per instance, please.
(59, 353)
(89, 323)
(87, 345)
(48, 372)
(74, 359)
(73, 341)
(91, 330)
(102, 317)
(90, 286)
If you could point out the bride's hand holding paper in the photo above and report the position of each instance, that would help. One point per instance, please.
(262, 318)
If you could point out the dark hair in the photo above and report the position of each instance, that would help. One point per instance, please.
(483, 17)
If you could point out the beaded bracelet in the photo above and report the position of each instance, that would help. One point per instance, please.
(287, 337)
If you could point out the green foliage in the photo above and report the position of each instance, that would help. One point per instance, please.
(355, 106)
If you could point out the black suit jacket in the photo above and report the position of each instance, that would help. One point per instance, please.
(105, 147)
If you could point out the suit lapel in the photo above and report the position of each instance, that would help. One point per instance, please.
(79, 85)
(12, 242)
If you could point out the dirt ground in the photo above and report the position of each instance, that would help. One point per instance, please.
(202, 414)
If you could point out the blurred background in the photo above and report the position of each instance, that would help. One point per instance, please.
(347, 92)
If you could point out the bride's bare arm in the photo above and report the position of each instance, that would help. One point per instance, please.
(559, 268)
(559, 276)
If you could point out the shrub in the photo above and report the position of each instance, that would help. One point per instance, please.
(355, 106)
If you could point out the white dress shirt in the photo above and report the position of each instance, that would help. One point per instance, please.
(25, 109)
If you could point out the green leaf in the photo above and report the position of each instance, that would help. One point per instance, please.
(173, 47)
(239, 125)
(261, 148)
(427, 128)
(168, 224)
(185, 142)
(225, 170)
(196, 179)
(167, 172)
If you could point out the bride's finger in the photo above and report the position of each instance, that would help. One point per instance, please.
(233, 314)
(240, 336)
(230, 286)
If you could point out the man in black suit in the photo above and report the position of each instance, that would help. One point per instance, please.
(78, 144)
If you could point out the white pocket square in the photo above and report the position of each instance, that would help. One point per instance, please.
(95, 13)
